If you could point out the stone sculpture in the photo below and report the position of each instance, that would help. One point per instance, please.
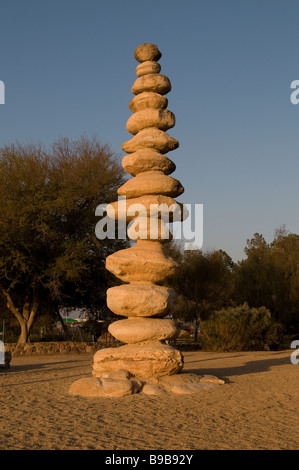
(145, 362)
(145, 266)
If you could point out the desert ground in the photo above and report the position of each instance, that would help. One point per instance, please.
(257, 407)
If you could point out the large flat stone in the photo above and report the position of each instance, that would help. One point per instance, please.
(136, 330)
(102, 387)
(149, 66)
(115, 384)
(153, 82)
(150, 205)
(149, 228)
(148, 99)
(160, 118)
(135, 300)
(147, 51)
(141, 360)
(151, 183)
(142, 263)
(181, 384)
(151, 138)
(147, 160)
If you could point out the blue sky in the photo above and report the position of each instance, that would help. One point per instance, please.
(68, 67)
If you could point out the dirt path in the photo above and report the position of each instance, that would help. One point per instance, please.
(257, 408)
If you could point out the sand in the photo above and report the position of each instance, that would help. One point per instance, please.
(257, 408)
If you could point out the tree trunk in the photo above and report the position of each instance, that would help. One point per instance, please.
(24, 336)
(196, 330)
(64, 327)
(197, 322)
(27, 316)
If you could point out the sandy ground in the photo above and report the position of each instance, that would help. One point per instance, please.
(257, 408)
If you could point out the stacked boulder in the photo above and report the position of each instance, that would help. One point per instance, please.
(146, 364)
(145, 266)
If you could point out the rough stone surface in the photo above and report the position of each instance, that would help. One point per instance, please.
(87, 387)
(148, 99)
(183, 383)
(140, 300)
(153, 389)
(117, 387)
(191, 388)
(146, 52)
(151, 138)
(135, 330)
(147, 160)
(149, 66)
(120, 374)
(184, 379)
(160, 118)
(104, 387)
(211, 379)
(113, 386)
(147, 206)
(151, 183)
(149, 228)
(137, 264)
(139, 366)
(153, 82)
(141, 360)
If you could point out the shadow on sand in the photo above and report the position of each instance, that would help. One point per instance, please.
(74, 363)
(250, 367)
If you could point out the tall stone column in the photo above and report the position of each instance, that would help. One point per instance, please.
(146, 363)
(145, 266)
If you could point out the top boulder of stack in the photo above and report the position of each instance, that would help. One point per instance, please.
(146, 52)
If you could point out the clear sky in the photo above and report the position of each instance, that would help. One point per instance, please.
(68, 67)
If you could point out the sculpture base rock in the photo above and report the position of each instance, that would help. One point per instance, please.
(143, 360)
(117, 384)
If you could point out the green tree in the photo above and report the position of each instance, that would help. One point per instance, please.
(204, 283)
(241, 329)
(253, 275)
(269, 276)
(49, 254)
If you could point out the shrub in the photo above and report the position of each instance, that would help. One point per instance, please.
(241, 329)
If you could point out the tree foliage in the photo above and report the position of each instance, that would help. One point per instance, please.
(240, 329)
(49, 254)
(269, 276)
(204, 283)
